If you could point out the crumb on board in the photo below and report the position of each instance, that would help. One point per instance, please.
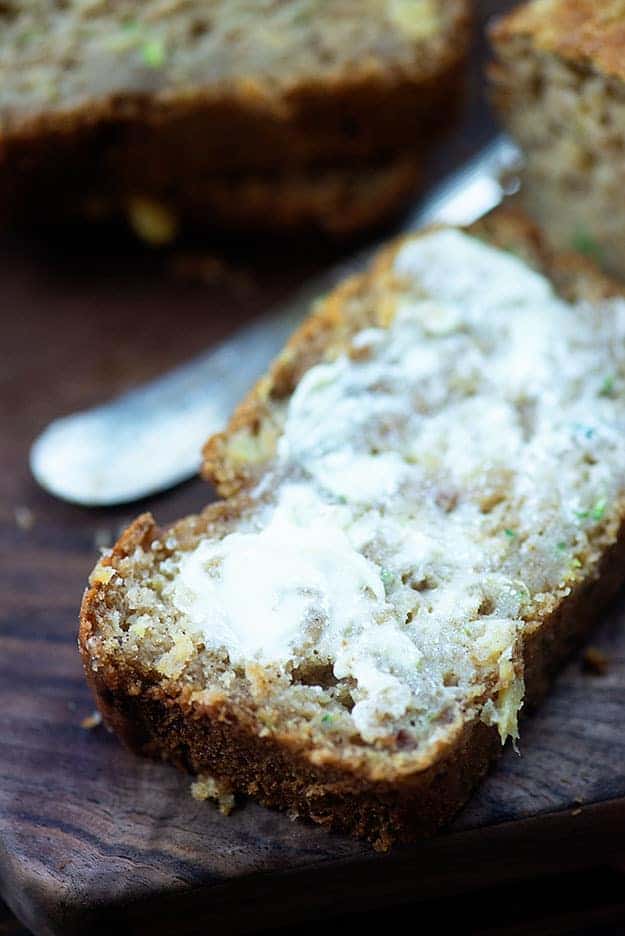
(24, 518)
(205, 787)
(595, 661)
(103, 538)
(91, 721)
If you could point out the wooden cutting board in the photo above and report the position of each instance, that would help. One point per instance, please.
(93, 838)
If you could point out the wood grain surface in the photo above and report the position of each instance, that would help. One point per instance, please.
(92, 838)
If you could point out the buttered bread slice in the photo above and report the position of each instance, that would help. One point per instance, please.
(423, 508)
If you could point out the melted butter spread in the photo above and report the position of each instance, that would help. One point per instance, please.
(431, 492)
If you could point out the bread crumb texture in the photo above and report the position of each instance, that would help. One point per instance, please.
(448, 471)
(558, 84)
(206, 787)
(582, 31)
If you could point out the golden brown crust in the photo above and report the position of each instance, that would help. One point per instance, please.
(210, 733)
(581, 31)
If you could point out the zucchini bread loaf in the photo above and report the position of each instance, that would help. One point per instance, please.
(559, 83)
(171, 112)
(423, 512)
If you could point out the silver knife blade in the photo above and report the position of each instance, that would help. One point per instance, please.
(150, 438)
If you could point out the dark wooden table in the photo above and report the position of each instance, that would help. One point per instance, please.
(82, 319)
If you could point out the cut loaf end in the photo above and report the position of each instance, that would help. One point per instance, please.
(559, 85)
(423, 512)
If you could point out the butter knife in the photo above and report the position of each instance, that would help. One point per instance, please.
(149, 439)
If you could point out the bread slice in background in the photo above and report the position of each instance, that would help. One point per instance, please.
(423, 514)
(105, 104)
(559, 85)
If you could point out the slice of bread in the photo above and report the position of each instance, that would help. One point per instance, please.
(102, 103)
(559, 85)
(424, 511)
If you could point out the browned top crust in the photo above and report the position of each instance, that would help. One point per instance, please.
(587, 32)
